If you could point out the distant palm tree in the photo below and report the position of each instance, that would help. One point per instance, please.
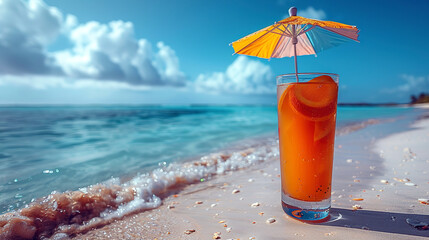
(422, 98)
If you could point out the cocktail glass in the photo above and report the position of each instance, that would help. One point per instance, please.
(306, 120)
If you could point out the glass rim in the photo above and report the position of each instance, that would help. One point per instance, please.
(306, 73)
(289, 78)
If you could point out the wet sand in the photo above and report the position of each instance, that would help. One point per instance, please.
(389, 173)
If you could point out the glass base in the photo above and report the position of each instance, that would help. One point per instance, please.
(306, 211)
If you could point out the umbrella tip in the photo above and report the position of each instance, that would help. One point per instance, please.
(292, 11)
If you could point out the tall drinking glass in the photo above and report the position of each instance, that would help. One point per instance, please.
(306, 118)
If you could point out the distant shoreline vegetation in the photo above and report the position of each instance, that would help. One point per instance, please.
(422, 98)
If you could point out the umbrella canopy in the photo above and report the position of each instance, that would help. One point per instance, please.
(295, 36)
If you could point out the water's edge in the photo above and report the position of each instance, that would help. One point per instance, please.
(78, 211)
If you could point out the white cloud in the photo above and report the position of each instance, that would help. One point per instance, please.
(111, 52)
(413, 84)
(100, 52)
(25, 29)
(311, 12)
(281, 2)
(243, 76)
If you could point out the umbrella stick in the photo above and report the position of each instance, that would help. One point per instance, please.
(292, 12)
(296, 64)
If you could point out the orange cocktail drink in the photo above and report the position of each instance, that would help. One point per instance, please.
(306, 114)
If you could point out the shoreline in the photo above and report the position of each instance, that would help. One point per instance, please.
(252, 142)
(212, 207)
(224, 180)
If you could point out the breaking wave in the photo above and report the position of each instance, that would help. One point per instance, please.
(60, 215)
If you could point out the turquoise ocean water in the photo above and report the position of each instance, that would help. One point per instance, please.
(60, 148)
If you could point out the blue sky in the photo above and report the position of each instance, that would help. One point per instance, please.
(177, 52)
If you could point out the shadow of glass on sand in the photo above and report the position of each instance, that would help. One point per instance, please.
(388, 222)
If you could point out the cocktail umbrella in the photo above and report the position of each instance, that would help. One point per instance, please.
(295, 36)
